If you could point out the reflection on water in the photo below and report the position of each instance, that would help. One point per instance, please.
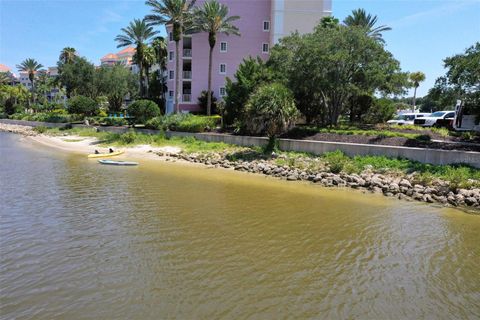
(79, 241)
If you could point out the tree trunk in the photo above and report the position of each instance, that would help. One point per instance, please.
(209, 92)
(414, 98)
(140, 67)
(177, 78)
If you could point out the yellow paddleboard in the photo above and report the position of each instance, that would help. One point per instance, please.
(105, 155)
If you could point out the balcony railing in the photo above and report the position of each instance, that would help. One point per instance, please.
(187, 74)
(187, 98)
(187, 53)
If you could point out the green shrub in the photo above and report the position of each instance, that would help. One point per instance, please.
(143, 110)
(183, 122)
(381, 111)
(82, 105)
(336, 160)
(198, 123)
(155, 123)
(40, 129)
(203, 100)
(271, 110)
(129, 137)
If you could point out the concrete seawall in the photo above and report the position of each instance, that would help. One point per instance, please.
(433, 156)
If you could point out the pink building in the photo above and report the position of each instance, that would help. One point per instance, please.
(262, 23)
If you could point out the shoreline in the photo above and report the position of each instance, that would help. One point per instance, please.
(390, 186)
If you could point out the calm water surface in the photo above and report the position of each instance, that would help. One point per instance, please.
(164, 241)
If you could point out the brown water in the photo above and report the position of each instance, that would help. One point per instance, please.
(165, 241)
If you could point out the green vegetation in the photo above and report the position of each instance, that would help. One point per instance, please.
(183, 122)
(270, 110)
(82, 105)
(54, 117)
(418, 133)
(143, 110)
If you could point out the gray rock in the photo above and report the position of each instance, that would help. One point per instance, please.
(405, 183)
(471, 201)
(292, 177)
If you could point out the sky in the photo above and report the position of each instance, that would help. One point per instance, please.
(424, 31)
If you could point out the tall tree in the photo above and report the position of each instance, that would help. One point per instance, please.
(138, 33)
(31, 66)
(178, 14)
(67, 55)
(213, 19)
(78, 78)
(360, 18)
(339, 63)
(416, 78)
(116, 83)
(159, 45)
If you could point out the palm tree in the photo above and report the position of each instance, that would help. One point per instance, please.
(416, 78)
(67, 55)
(360, 18)
(178, 14)
(5, 78)
(31, 66)
(137, 33)
(148, 60)
(159, 45)
(213, 18)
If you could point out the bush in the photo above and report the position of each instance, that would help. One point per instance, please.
(82, 105)
(203, 100)
(271, 110)
(54, 117)
(381, 111)
(251, 74)
(116, 122)
(336, 161)
(40, 129)
(198, 123)
(143, 110)
(183, 122)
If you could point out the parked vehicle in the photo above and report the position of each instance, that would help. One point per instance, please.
(463, 120)
(436, 119)
(406, 118)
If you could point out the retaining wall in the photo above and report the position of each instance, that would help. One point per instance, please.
(433, 156)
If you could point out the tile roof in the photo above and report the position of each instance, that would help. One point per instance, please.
(127, 50)
(109, 56)
(4, 68)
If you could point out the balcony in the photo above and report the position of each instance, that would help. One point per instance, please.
(187, 98)
(187, 53)
(187, 75)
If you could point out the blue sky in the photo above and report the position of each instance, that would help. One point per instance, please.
(424, 31)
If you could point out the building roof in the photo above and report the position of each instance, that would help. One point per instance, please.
(127, 50)
(110, 56)
(4, 68)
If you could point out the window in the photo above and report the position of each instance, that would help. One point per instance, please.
(266, 25)
(170, 55)
(170, 36)
(170, 94)
(223, 68)
(265, 48)
(223, 47)
(171, 75)
(223, 92)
